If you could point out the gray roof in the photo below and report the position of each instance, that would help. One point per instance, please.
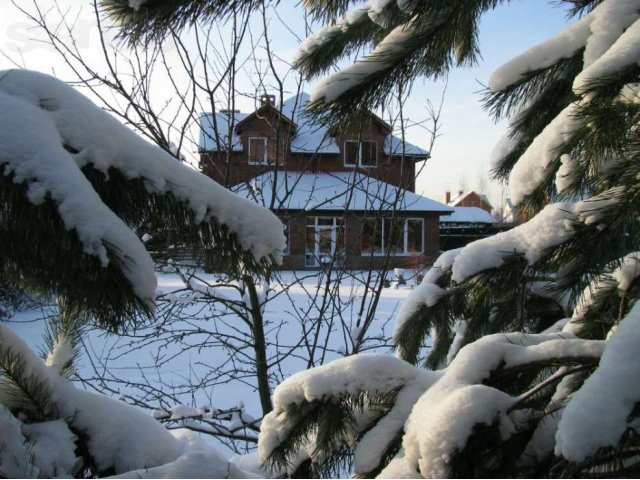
(334, 191)
(310, 137)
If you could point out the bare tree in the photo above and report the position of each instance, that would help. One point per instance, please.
(243, 331)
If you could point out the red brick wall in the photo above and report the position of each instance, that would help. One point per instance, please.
(233, 168)
(353, 231)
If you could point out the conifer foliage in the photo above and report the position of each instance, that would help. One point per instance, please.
(79, 191)
(535, 331)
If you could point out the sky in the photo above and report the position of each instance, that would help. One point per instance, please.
(460, 158)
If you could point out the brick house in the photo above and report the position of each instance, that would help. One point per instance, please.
(469, 199)
(344, 195)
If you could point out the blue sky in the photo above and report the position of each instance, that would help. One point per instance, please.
(461, 154)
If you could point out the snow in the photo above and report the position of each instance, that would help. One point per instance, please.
(53, 447)
(333, 86)
(61, 355)
(607, 398)
(552, 226)
(13, 454)
(467, 215)
(533, 166)
(563, 175)
(334, 191)
(44, 115)
(444, 417)
(610, 20)
(310, 137)
(346, 376)
(374, 442)
(221, 122)
(563, 45)
(197, 460)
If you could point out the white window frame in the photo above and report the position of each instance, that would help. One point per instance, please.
(359, 159)
(265, 159)
(405, 238)
(337, 223)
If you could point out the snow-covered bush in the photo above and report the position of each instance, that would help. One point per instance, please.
(534, 330)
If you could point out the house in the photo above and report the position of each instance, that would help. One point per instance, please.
(469, 199)
(345, 195)
(465, 225)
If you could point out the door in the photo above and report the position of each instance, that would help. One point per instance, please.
(321, 241)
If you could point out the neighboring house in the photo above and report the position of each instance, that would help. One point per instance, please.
(465, 225)
(469, 199)
(346, 195)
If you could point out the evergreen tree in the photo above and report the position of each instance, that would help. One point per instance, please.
(79, 191)
(534, 330)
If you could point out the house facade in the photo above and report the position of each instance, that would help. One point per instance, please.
(469, 199)
(343, 196)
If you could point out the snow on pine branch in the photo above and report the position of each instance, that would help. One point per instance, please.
(606, 401)
(610, 36)
(445, 416)
(118, 436)
(43, 119)
(552, 226)
(373, 373)
(428, 293)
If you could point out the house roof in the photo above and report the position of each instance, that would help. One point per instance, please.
(461, 196)
(310, 137)
(333, 191)
(469, 215)
(221, 122)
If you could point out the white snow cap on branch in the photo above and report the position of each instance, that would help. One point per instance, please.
(605, 402)
(552, 226)
(43, 118)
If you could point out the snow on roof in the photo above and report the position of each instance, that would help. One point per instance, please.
(310, 137)
(334, 191)
(461, 196)
(469, 215)
(220, 122)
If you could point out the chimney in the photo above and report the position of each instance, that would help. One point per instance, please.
(460, 192)
(267, 99)
(447, 197)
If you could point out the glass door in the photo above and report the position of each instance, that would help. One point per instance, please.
(322, 237)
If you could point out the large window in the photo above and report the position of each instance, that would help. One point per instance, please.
(362, 154)
(258, 152)
(323, 240)
(398, 237)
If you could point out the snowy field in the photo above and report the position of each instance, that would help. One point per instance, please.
(197, 353)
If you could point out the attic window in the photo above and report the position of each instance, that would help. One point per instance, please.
(360, 153)
(258, 152)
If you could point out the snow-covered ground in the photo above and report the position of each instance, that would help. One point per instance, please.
(194, 353)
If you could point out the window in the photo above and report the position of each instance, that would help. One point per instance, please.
(324, 239)
(398, 237)
(258, 152)
(362, 154)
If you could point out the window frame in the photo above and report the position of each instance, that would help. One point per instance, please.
(265, 155)
(359, 154)
(405, 237)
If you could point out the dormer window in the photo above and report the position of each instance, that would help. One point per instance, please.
(363, 153)
(258, 152)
